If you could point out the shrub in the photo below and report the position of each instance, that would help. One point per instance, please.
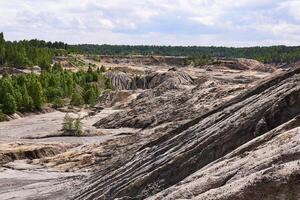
(72, 126)
(9, 104)
(77, 100)
(54, 94)
(58, 103)
(90, 97)
(2, 116)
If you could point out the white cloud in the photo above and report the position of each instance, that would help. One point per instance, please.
(292, 6)
(198, 22)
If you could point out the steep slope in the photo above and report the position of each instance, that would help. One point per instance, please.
(267, 167)
(192, 146)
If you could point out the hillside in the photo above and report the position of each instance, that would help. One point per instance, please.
(246, 148)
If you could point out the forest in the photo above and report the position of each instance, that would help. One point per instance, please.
(27, 53)
(29, 92)
(272, 54)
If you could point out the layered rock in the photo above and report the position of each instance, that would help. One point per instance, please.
(171, 79)
(165, 104)
(144, 60)
(191, 161)
(267, 167)
(243, 64)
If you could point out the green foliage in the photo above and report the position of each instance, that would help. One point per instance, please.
(31, 91)
(27, 102)
(77, 100)
(77, 127)
(9, 104)
(199, 60)
(2, 49)
(90, 96)
(68, 123)
(36, 93)
(2, 116)
(273, 54)
(108, 84)
(29, 53)
(58, 103)
(54, 93)
(72, 126)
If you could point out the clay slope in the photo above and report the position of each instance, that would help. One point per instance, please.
(124, 81)
(238, 150)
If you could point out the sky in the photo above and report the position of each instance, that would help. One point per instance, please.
(154, 22)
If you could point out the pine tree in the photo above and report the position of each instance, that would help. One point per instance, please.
(18, 98)
(2, 49)
(27, 102)
(90, 97)
(36, 93)
(9, 104)
(6, 87)
(77, 100)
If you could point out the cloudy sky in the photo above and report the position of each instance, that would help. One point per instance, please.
(157, 22)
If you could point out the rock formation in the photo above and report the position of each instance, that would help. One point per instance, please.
(245, 148)
(144, 60)
(124, 81)
(243, 64)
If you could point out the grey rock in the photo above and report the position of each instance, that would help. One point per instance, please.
(218, 155)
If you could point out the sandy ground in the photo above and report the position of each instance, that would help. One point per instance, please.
(25, 181)
(22, 180)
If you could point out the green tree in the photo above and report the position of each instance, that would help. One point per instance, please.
(77, 100)
(27, 102)
(2, 48)
(36, 93)
(72, 126)
(54, 93)
(9, 104)
(90, 97)
(18, 98)
(6, 86)
(2, 116)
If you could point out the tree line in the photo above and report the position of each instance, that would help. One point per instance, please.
(28, 53)
(272, 54)
(58, 87)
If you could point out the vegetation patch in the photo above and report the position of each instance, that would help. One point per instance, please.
(72, 126)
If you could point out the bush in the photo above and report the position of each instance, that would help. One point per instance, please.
(58, 103)
(90, 97)
(77, 100)
(72, 126)
(54, 94)
(9, 104)
(2, 116)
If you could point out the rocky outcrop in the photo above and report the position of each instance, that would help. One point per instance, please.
(211, 152)
(243, 64)
(144, 60)
(11, 151)
(120, 80)
(123, 81)
(267, 167)
(170, 104)
(111, 98)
